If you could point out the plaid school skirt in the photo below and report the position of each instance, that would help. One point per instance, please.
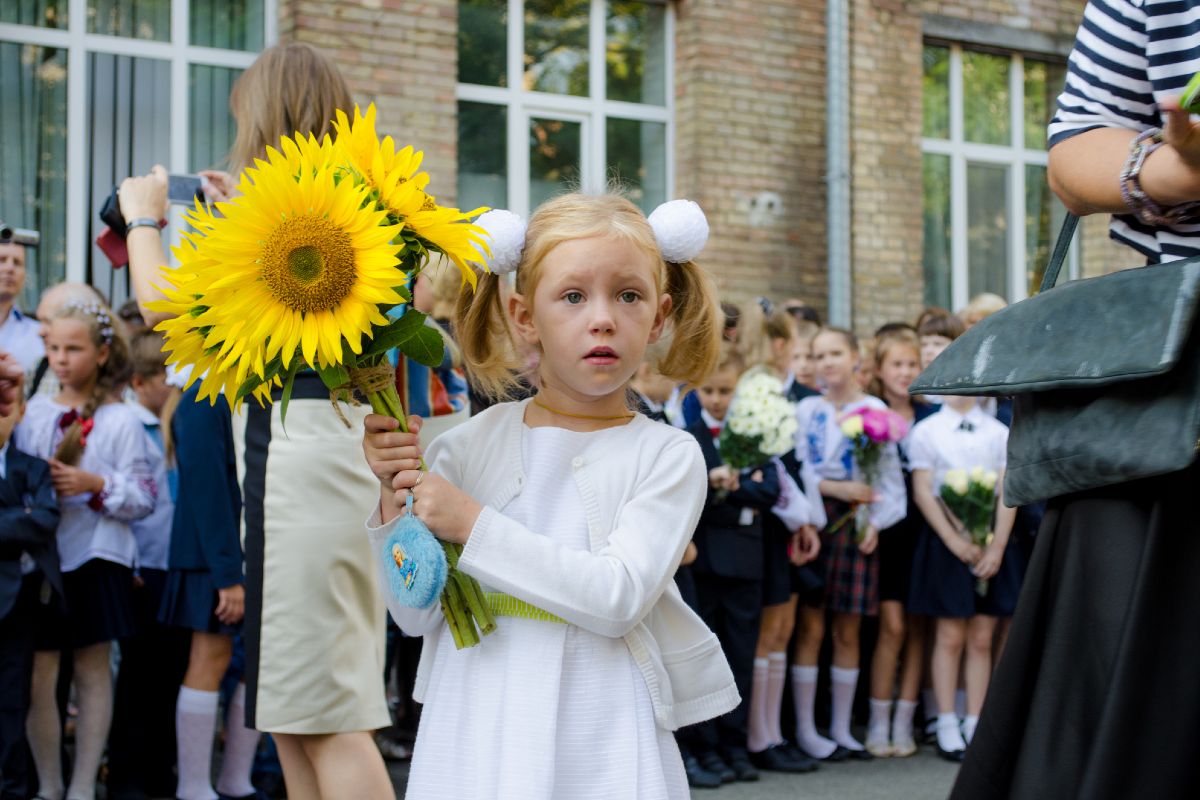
(851, 578)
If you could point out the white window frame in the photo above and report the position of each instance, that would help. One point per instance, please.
(592, 110)
(1015, 156)
(78, 44)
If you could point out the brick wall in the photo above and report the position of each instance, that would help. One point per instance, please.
(401, 55)
(749, 93)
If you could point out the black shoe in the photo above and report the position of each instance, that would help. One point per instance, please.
(711, 762)
(951, 755)
(858, 755)
(739, 762)
(800, 757)
(839, 754)
(698, 777)
(779, 758)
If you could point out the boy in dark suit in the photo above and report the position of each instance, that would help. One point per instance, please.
(30, 584)
(728, 571)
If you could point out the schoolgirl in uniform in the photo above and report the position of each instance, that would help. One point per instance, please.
(575, 507)
(897, 364)
(851, 567)
(102, 474)
(947, 564)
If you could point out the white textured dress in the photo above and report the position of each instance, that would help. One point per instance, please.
(543, 710)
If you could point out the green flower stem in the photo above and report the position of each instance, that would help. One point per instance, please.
(463, 603)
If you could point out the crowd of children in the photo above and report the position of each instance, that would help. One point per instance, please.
(121, 507)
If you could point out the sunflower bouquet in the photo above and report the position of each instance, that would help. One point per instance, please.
(306, 269)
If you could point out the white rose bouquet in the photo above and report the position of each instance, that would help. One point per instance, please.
(761, 424)
(970, 497)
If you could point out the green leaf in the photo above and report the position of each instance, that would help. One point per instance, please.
(412, 337)
(289, 381)
(334, 377)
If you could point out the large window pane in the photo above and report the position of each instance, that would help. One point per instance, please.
(128, 134)
(636, 52)
(483, 42)
(482, 155)
(554, 151)
(229, 24)
(1044, 215)
(936, 92)
(211, 129)
(637, 157)
(987, 229)
(1043, 83)
(46, 13)
(936, 247)
(556, 46)
(986, 110)
(33, 158)
(136, 19)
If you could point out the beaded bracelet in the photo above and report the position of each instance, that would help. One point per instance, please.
(1136, 200)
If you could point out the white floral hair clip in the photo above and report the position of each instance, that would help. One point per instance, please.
(680, 230)
(97, 312)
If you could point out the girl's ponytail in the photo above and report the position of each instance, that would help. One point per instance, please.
(695, 324)
(484, 337)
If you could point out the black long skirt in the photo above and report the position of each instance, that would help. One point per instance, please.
(1098, 692)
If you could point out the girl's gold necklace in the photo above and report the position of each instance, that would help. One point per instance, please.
(538, 402)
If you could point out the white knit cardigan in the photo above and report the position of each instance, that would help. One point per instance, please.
(643, 487)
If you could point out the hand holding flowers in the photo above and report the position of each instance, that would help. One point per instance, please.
(870, 431)
(969, 497)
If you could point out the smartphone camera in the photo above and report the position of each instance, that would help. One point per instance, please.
(181, 190)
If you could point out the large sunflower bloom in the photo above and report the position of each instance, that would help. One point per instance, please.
(393, 176)
(298, 260)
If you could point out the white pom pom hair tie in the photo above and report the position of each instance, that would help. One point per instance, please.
(680, 231)
(506, 240)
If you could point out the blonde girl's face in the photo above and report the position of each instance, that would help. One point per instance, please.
(802, 366)
(835, 360)
(931, 348)
(899, 368)
(594, 310)
(72, 354)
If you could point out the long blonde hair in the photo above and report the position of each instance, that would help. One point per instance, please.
(694, 322)
(757, 330)
(289, 88)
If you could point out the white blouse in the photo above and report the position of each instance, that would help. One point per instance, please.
(827, 455)
(96, 526)
(948, 440)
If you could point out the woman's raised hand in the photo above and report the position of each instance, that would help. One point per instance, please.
(220, 185)
(144, 195)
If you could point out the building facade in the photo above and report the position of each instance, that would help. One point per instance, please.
(932, 120)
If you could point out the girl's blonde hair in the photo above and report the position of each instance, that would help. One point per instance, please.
(481, 323)
(103, 329)
(289, 88)
(757, 329)
(980, 307)
(884, 344)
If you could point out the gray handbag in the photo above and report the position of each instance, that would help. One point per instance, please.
(1104, 374)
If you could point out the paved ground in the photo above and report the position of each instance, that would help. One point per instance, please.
(922, 777)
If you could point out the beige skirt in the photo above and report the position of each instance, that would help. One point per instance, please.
(315, 620)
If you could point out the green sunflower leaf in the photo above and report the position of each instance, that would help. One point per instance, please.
(412, 336)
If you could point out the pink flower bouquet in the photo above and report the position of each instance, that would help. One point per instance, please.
(869, 431)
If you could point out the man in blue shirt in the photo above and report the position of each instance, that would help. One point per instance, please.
(19, 333)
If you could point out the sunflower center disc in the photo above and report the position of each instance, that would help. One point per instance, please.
(308, 263)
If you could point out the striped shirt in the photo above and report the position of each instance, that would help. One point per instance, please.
(1128, 56)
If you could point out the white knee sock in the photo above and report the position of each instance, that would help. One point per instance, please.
(94, 694)
(758, 738)
(776, 676)
(240, 744)
(968, 727)
(902, 723)
(881, 717)
(949, 737)
(804, 692)
(843, 683)
(195, 725)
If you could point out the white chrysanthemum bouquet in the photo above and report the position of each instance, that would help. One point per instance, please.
(761, 424)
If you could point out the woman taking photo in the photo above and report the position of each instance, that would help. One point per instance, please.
(314, 626)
